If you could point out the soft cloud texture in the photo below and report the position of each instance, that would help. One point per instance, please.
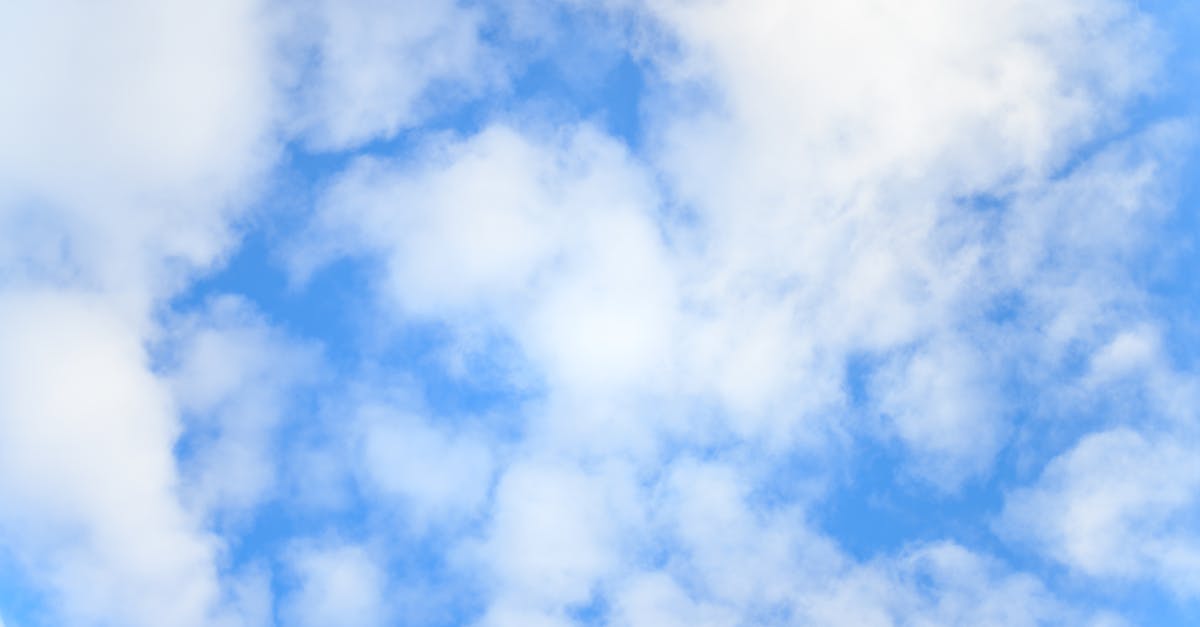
(800, 215)
(133, 133)
(489, 359)
(380, 67)
(234, 375)
(88, 476)
(339, 585)
(1119, 504)
(437, 475)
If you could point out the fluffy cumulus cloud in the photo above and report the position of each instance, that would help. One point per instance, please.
(1118, 504)
(88, 473)
(640, 312)
(133, 133)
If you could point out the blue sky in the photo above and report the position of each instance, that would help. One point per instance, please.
(631, 313)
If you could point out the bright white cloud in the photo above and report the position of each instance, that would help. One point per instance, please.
(839, 197)
(87, 473)
(548, 241)
(130, 131)
(819, 97)
(133, 134)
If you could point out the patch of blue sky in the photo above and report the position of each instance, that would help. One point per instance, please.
(20, 604)
(594, 611)
(876, 507)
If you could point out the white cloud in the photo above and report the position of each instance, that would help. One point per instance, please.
(546, 240)
(656, 599)
(831, 164)
(556, 531)
(941, 584)
(749, 557)
(820, 97)
(1066, 245)
(942, 403)
(134, 133)
(87, 473)
(437, 474)
(233, 376)
(738, 563)
(815, 203)
(827, 196)
(706, 554)
(1118, 505)
(130, 131)
(1130, 351)
(450, 245)
(823, 216)
(338, 584)
(380, 67)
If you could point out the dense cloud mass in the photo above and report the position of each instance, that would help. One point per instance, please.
(634, 313)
